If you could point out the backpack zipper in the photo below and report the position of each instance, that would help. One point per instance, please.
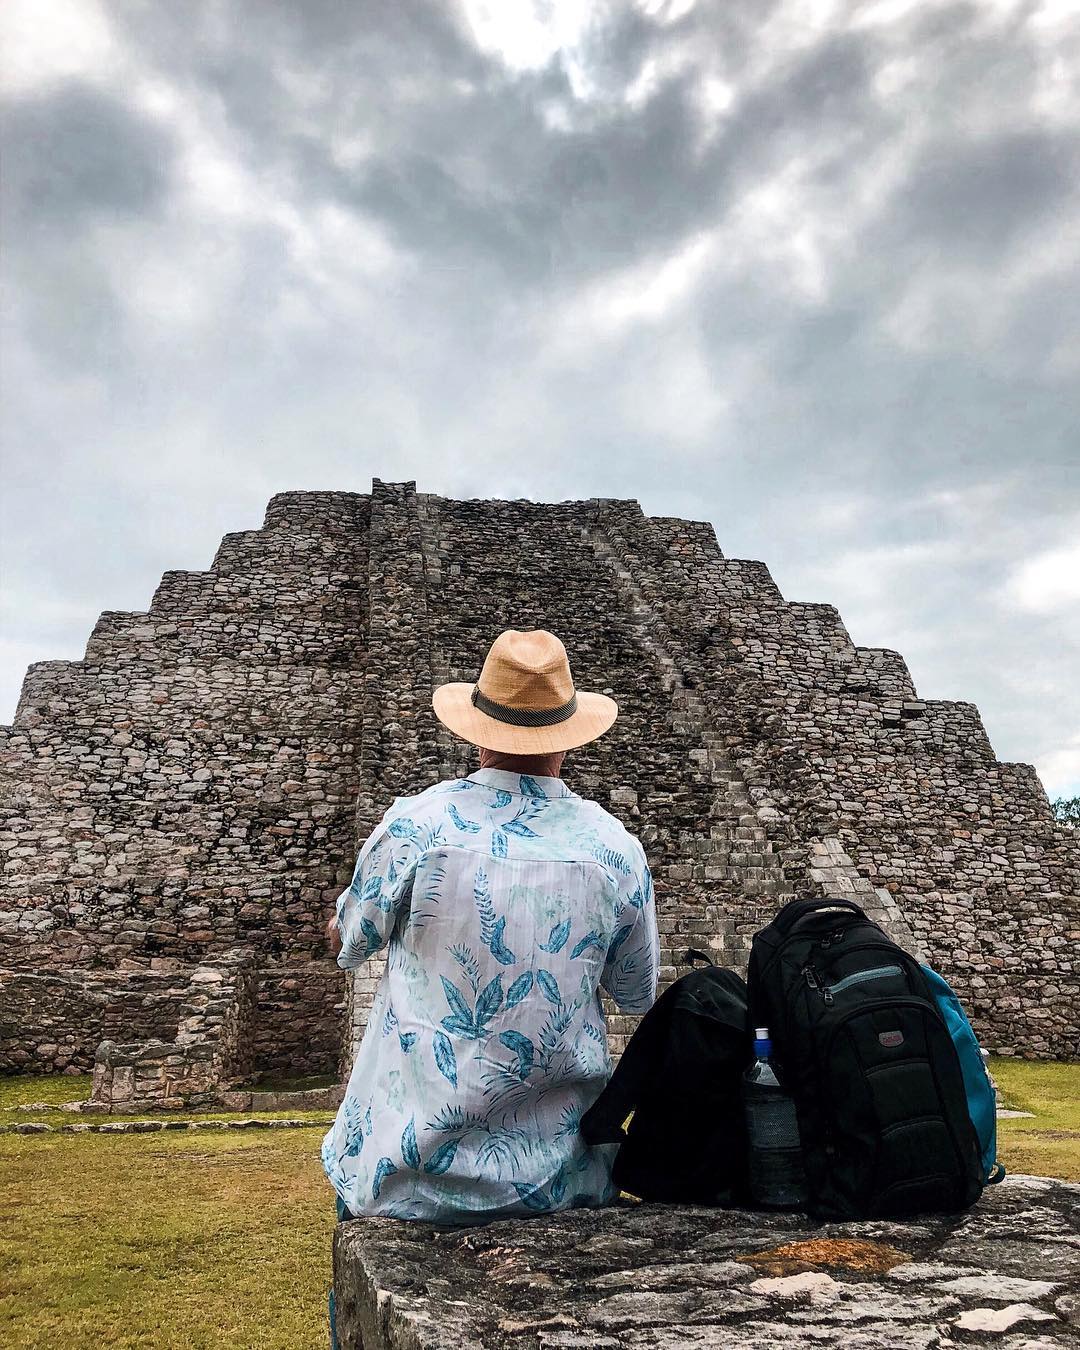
(827, 991)
(860, 975)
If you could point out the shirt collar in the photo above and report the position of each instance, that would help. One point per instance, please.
(522, 784)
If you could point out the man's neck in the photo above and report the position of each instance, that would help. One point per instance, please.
(537, 766)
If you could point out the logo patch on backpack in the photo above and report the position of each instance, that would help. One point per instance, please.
(891, 1039)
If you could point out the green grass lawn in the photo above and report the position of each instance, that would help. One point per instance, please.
(1049, 1143)
(164, 1240)
(53, 1088)
(223, 1239)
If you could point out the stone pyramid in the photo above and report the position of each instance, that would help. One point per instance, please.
(181, 807)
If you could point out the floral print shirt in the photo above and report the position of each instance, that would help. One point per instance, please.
(507, 902)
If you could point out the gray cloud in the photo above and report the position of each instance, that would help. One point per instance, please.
(817, 287)
(977, 198)
(78, 152)
(76, 159)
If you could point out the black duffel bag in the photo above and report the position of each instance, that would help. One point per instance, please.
(680, 1077)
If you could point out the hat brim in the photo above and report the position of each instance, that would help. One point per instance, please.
(595, 713)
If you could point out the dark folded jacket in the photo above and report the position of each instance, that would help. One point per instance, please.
(680, 1077)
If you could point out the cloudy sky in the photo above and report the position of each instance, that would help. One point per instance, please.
(808, 269)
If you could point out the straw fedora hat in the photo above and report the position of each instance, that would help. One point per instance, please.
(524, 702)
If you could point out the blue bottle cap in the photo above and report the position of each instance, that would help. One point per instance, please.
(762, 1043)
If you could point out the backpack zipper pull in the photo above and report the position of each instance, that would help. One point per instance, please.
(814, 981)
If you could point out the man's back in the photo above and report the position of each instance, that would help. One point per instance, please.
(508, 901)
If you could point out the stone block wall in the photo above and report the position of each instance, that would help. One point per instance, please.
(212, 1048)
(53, 1022)
(298, 1018)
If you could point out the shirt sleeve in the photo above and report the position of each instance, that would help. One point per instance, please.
(633, 957)
(382, 880)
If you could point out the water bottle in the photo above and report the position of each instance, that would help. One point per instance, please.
(777, 1179)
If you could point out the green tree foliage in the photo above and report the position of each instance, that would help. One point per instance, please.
(1067, 810)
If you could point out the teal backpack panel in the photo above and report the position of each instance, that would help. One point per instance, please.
(980, 1092)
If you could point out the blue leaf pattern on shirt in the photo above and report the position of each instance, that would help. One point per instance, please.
(499, 844)
(469, 826)
(461, 1027)
(484, 907)
(556, 939)
(591, 939)
(466, 959)
(624, 977)
(354, 1129)
(458, 1006)
(406, 1039)
(445, 1059)
(609, 858)
(519, 989)
(490, 1001)
(498, 948)
(430, 897)
(372, 937)
(532, 1196)
(502, 799)
(523, 1048)
(491, 929)
(621, 934)
(549, 987)
(384, 1168)
(531, 787)
(410, 1154)
(441, 1159)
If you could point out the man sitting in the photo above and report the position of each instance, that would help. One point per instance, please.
(508, 902)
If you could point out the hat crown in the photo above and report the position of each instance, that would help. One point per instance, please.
(527, 670)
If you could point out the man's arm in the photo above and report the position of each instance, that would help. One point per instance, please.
(633, 958)
(382, 879)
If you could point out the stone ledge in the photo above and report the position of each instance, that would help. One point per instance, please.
(659, 1277)
(150, 1126)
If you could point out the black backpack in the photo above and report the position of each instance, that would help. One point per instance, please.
(680, 1076)
(870, 1063)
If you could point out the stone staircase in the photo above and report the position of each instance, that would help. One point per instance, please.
(730, 881)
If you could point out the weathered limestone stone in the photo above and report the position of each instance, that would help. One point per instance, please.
(815, 1284)
(997, 1320)
(645, 1276)
(998, 1288)
(198, 783)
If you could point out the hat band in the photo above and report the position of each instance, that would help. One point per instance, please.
(524, 717)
